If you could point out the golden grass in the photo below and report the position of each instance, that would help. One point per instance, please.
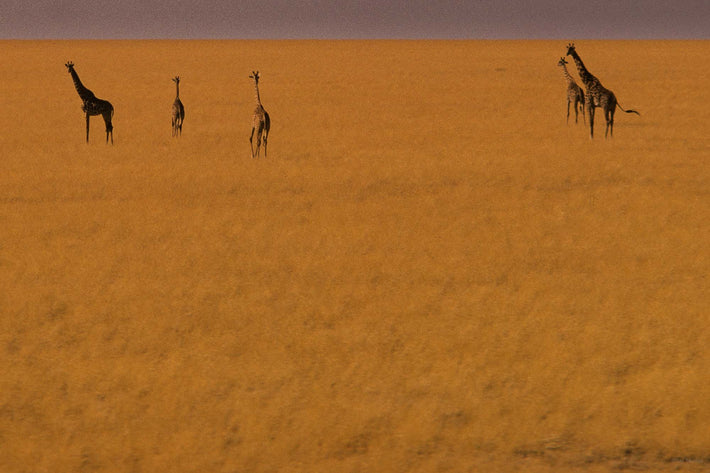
(430, 272)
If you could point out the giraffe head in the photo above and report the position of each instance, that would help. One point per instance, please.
(562, 62)
(70, 66)
(255, 75)
(176, 79)
(570, 49)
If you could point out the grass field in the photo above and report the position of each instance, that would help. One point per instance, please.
(431, 271)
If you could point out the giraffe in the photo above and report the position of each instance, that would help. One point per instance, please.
(260, 121)
(178, 109)
(597, 96)
(575, 94)
(92, 105)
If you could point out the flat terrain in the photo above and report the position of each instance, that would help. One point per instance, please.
(430, 272)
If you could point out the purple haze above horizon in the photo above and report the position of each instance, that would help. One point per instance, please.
(349, 19)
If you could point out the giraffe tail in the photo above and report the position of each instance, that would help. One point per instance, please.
(627, 111)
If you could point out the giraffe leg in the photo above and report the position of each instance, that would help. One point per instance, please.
(266, 136)
(576, 110)
(590, 111)
(267, 127)
(87, 127)
(251, 137)
(581, 104)
(109, 126)
(258, 142)
(568, 111)
(610, 123)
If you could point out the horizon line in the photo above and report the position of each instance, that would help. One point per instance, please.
(147, 38)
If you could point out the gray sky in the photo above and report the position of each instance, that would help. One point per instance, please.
(486, 19)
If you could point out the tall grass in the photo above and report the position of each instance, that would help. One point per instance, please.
(430, 272)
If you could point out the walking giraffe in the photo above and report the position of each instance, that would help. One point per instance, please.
(597, 96)
(92, 105)
(575, 94)
(260, 121)
(178, 109)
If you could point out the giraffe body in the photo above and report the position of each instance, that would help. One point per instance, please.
(260, 121)
(178, 111)
(91, 105)
(575, 94)
(597, 96)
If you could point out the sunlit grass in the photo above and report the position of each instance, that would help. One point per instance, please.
(430, 272)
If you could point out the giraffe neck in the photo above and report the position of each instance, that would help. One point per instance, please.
(256, 93)
(177, 90)
(584, 74)
(565, 73)
(84, 93)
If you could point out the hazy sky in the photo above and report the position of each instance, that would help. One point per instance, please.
(494, 19)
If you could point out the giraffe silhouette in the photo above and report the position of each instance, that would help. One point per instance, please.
(575, 94)
(597, 96)
(260, 121)
(92, 105)
(178, 109)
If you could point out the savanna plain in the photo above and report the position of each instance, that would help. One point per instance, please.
(430, 271)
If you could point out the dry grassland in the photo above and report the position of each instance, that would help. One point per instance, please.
(430, 272)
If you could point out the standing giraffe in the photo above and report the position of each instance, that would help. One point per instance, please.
(178, 109)
(597, 96)
(92, 105)
(260, 121)
(575, 94)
